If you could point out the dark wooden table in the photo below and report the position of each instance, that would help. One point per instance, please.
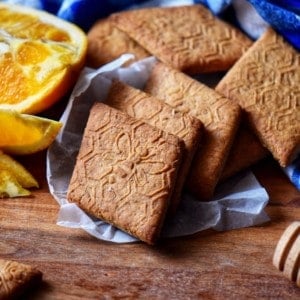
(211, 265)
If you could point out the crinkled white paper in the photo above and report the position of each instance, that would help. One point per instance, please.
(239, 202)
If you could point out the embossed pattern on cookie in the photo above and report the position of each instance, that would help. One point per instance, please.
(16, 277)
(265, 82)
(106, 43)
(125, 172)
(157, 113)
(188, 38)
(219, 116)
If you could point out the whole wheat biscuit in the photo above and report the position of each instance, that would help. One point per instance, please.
(155, 112)
(106, 43)
(218, 114)
(246, 151)
(265, 82)
(188, 38)
(125, 172)
(16, 278)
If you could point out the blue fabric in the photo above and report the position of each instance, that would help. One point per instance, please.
(85, 13)
(293, 172)
(81, 12)
(216, 6)
(296, 173)
(284, 16)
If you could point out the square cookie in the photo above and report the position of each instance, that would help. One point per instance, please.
(188, 38)
(265, 82)
(106, 43)
(16, 278)
(219, 116)
(157, 113)
(125, 172)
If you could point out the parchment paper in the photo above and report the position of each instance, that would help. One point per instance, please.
(237, 203)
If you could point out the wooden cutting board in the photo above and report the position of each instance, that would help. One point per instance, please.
(211, 265)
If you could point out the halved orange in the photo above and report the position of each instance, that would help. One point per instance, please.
(26, 134)
(41, 56)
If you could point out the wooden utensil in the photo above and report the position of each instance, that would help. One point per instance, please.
(287, 253)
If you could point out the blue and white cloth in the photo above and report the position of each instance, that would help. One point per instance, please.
(252, 16)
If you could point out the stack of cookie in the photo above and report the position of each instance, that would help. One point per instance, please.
(142, 148)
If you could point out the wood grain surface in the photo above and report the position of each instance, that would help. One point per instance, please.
(235, 264)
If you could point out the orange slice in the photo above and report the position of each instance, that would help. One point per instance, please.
(26, 134)
(40, 58)
(14, 178)
(10, 187)
(15, 169)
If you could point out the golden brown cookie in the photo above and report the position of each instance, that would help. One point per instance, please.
(106, 43)
(157, 113)
(16, 278)
(218, 114)
(246, 151)
(265, 82)
(125, 172)
(188, 38)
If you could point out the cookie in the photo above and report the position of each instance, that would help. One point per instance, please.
(265, 82)
(106, 43)
(125, 172)
(155, 112)
(245, 152)
(16, 278)
(219, 116)
(188, 38)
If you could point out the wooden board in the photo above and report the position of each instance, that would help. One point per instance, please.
(209, 265)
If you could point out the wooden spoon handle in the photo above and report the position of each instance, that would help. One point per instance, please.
(287, 253)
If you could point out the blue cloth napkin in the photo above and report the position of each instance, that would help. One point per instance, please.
(81, 12)
(253, 16)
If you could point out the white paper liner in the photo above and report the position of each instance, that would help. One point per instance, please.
(238, 203)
